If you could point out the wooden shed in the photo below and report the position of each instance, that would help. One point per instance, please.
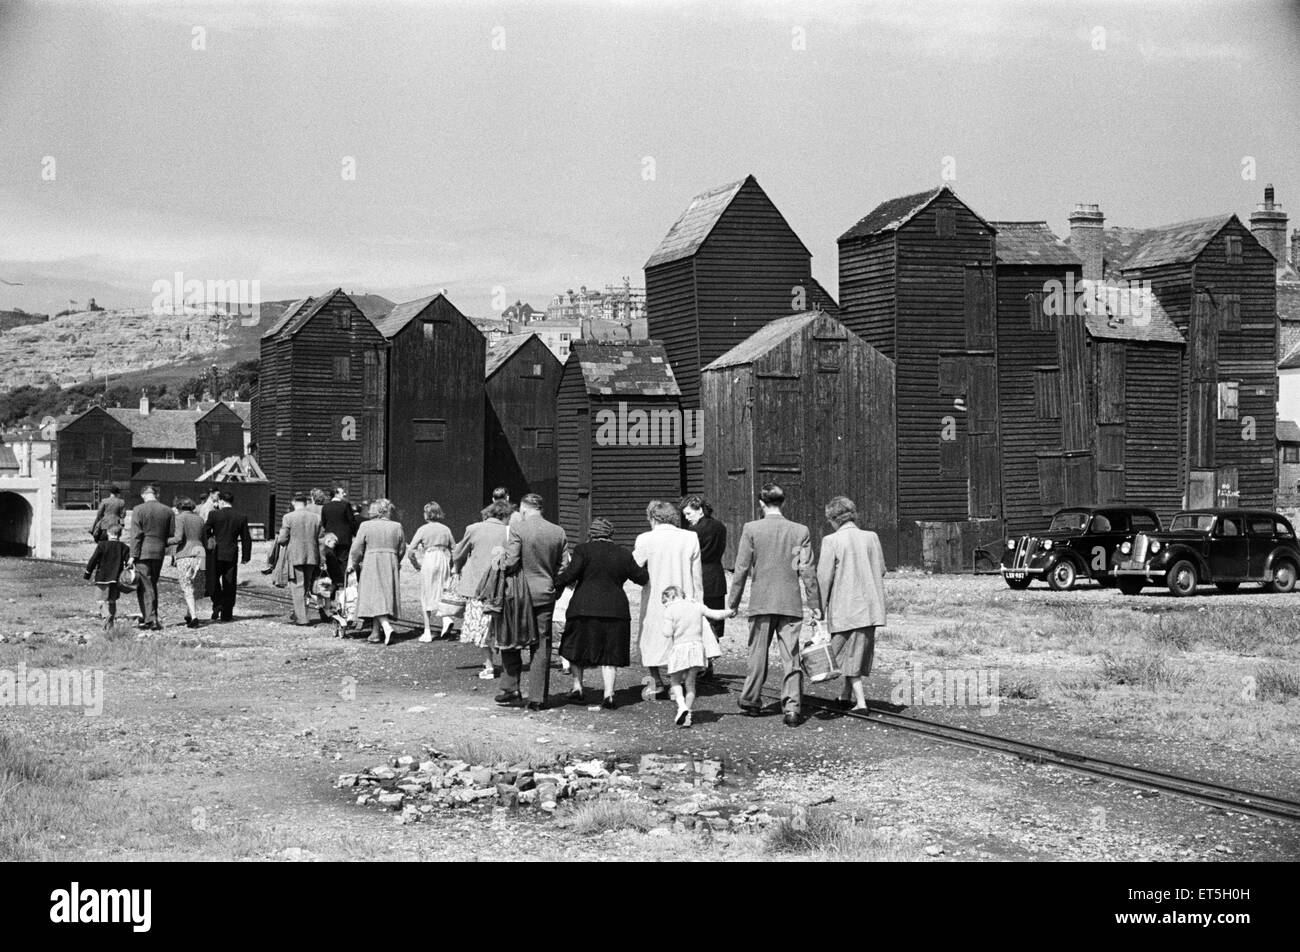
(522, 378)
(917, 282)
(805, 403)
(321, 387)
(1217, 284)
(434, 445)
(726, 267)
(620, 429)
(218, 434)
(94, 452)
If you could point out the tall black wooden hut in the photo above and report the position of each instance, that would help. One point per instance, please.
(619, 427)
(522, 378)
(321, 400)
(917, 282)
(94, 453)
(805, 403)
(434, 446)
(218, 434)
(727, 266)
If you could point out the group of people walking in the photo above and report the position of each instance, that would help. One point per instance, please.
(497, 588)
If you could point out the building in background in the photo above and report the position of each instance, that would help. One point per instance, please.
(521, 379)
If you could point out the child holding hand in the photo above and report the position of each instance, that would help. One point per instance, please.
(693, 644)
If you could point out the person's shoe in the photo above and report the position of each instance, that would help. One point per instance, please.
(575, 696)
(683, 717)
(608, 704)
(535, 706)
(792, 720)
(843, 703)
(487, 674)
(216, 615)
(144, 626)
(193, 623)
(508, 697)
(374, 638)
(425, 638)
(750, 710)
(687, 722)
(108, 624)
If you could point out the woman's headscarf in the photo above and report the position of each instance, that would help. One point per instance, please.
(600, 530)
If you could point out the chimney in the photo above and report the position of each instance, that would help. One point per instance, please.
(1268, 225)
(1086, 223)
(144, 403)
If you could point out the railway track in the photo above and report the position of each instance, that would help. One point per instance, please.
(1199, 791)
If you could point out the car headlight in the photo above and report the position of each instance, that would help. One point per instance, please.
(1011, 543)
(1047, 543)
(1126, 548)
(1155, 547)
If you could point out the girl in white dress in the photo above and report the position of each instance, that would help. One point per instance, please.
(691, 645)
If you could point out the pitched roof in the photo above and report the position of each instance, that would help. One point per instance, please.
(897, 212)
(764, 339)
(1031, 243)
(286, 317)
(1133, 313)
(502, 349)
(1292, 359)
(626, 367)
(1288, 431)
(243, 408)
(1174, 244)
(161, 429)
(689, 231)
(819, 299)
(1288, 302)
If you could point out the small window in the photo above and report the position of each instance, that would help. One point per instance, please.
(1047, 392)
(342, 368)
(428, 330)
(945, 223)
(1260, 525)
(1282, 529)
(544, 436)
(1229, 526)
(533, 372)
(564, 337)
(1229, 391)
(429, 431)
(1141, 522)
(1232, 248)
(343, 320)
(830, 356)
(1291, 454)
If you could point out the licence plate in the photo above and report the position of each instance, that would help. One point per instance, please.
(1014, 576)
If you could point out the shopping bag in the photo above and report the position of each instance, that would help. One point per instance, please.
(816, 657)
(128, 579)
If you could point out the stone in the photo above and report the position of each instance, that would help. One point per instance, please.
(684, 809)
(346, 780)
(660, 831)
(718, 823)
(527, 797)
(393, 800)
(411, 788)
(711, 771)
(480, 776)
(417, 709)
(383, 773)
(549, 806)
(589, 768)
(934, 850)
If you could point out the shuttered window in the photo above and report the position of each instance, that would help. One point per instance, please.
(1200, 424)
(1230, 312)
(1051, 483)
(1291, 454)
(343, 320)
(830, 356)
(945, 223)
(429, 431)
(1229, 391)
(952, 458)
(343, 368)
(1047, 392)
(1232, 248)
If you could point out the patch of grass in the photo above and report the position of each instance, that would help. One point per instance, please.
(1275, 683)
(819, 833)
(1020, 686)
(605, 816)
(1148, 669)
(491, 751)
(960, 639)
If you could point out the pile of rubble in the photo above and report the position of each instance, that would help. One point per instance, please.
(683, 792)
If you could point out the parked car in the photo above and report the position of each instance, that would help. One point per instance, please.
(1079, 543)
(1221, 546)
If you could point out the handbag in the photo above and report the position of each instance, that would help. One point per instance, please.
(323, 587)
(816, 658)
(127, 579)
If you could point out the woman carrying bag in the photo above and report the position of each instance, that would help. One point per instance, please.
(850, 574)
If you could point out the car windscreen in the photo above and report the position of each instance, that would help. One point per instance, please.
(1068, 520)
(1200, 521)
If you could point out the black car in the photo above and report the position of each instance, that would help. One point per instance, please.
(1221, 546)
(1079, 543)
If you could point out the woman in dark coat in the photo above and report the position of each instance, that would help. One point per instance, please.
(713, 543)
(598, 626)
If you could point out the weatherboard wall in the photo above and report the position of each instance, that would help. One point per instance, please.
(520, 440)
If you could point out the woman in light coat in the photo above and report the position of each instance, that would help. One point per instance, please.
(671, 555)
(851, 576)
(430, 555)
(472, 558)
(378, 550)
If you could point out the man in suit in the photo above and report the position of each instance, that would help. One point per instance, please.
(299, 541)
(338, 519)
(151, 526)
(111, 515)
(713, 545)
(778, 554)
(227, 527)
(535, 548)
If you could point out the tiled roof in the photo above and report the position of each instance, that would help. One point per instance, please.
(627, 367)
(161, 429)
(501, 350)
(1288, 302)
(286, 317)
(1030, 243)
(897, 212)
(1132, 312)
(689, 231)
(764, 339)
(1288, 431)
(243, 408)
(1292, 359)
(1174, 244)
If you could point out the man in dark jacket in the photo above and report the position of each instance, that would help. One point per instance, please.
(111, 515)
(227, 527)
(151, 527)
(338, 519)
(535, 549)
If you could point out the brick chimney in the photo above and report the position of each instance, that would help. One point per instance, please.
(1268, 225)
(144, 403)
(1086, 223)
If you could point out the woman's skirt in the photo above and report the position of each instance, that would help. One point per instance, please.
(435, 571)
(685, 655)
(854, 650)
(188, 570)
(478, 628)
(377, 590)
(594, 642)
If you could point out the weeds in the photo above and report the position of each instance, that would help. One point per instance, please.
(606, 816)
(1276, 683)
(1021, 687)
(1149, 669)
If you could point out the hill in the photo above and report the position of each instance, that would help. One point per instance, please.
(18, 318)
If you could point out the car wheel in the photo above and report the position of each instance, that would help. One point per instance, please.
(1227, 586)
(1284, 577)
(1181, 578)
(1019, 584)
(1131, 586)
(1061, 576)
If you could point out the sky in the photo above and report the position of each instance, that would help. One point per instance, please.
(511, 150)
